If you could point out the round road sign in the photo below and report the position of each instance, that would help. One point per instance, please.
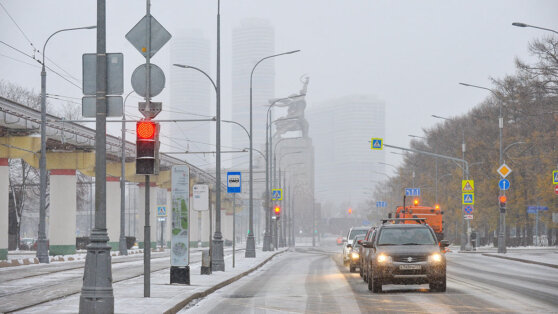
(157, 81)
(556, 189)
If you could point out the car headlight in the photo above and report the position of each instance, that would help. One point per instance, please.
(354, 255)
(382, 258)
(435, 258)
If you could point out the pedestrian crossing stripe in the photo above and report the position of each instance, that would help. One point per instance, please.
(468, 199)
(555, 177)
(377, 143)
(467, 185)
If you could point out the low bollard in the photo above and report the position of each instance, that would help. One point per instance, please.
(206, 263)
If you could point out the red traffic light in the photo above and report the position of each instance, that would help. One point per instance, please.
(277, 210)
(503, 199)
(145, 129)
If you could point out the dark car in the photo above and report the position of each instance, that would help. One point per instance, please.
(363, 252)
(354, 253)
(406, 254)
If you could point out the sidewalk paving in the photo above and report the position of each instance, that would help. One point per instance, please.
(549, 258)
(165, 298)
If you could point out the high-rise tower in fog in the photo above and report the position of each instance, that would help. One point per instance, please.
(190, 92)
(346, 168)
(252, 40)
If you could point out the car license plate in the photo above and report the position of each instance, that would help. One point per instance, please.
(409, 267)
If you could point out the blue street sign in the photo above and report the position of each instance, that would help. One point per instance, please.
(381, 204)
(234, 182)
(277, 194)
(468, 209)
(377, 143)
(412, 192)
(555, 177)
(535, 209)
(468, 199)
(504, 184)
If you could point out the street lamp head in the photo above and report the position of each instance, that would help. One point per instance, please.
(90, 27)
(294, 51)
(518, 24)
(181, 65)
(465, 84)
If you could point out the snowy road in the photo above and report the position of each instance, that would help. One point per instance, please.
(313, 280)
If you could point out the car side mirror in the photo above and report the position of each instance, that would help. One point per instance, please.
(359, 241)
(444, 243)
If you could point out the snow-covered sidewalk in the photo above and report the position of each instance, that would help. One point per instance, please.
(165, 298)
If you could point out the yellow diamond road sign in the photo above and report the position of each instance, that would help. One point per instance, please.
(468, 186)
(504, 170)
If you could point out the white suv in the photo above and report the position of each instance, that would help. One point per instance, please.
(353, 232)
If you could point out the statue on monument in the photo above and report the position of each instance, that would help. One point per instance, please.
(294, 120)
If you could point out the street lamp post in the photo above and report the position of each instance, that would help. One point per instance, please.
(42, 250)
(464, 245)
(518, 24)
(250, 241)
(502, 223)
(122, 245)
(436, 169)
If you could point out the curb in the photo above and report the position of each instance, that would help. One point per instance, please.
(521, 260)
(198, 295)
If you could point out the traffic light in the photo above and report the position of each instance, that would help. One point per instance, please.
(147, 147)
(503, 199)
(277, 211)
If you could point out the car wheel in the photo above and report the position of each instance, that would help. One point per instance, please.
(438, 286)
(376, 285)
(369, 282)
(352, 269)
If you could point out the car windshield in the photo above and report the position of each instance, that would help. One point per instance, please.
(356, 232)
(406, 236)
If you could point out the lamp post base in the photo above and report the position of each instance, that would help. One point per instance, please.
(42, 251)
(217, 258)
(122, 246)
(267, 242)
(97, 293)
(250, 247)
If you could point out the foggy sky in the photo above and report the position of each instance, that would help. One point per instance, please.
(411, 54)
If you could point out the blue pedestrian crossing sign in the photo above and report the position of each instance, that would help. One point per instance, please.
(161, 211)
(555, 177)
(468, 199)
(377, 143)
(277, 194)
(504, 184)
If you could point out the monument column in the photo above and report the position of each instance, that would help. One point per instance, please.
(62, 212)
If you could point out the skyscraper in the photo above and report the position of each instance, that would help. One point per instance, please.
(190, 94)
(340, 130)
(252, 40)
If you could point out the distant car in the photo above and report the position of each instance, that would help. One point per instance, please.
(339, 240)
(354, 260)
(353, 232)
(406, 254)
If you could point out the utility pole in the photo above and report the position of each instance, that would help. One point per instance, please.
(97, 293)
